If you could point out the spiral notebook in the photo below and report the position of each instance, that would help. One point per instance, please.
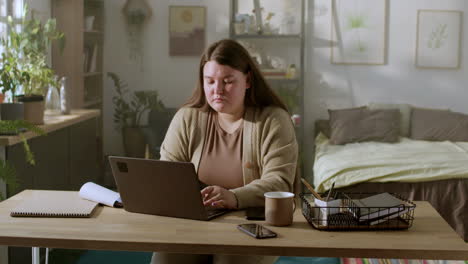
(55, 204)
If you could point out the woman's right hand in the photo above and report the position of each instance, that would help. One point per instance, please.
(218, 197)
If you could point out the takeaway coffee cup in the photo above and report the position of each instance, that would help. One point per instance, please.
(279, 208)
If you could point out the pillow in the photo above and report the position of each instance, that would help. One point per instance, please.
(361, 124)
(438, 125)
(405, 115)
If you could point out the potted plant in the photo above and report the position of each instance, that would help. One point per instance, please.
(7, 171)
(11, 76)
(27, 51)
(128, 114)
(40, 76)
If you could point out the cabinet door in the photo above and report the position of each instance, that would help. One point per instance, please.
(51, 171)
(83, 154)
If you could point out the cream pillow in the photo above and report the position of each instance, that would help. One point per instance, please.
(405, 115)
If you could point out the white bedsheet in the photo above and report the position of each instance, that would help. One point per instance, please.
(406, 161)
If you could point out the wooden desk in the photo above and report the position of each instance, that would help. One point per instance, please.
(115, 229)
(68, 156)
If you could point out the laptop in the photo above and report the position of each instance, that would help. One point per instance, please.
(157, 187)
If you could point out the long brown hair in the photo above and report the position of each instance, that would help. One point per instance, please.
(231, 53)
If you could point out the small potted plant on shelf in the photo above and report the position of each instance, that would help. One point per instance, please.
(26, 51)
(39, 77)
(128, 114)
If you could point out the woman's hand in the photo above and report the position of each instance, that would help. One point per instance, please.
(218, 197)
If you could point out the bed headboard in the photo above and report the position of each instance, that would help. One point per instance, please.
(322, 125)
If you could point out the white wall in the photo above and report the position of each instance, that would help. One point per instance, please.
(173, 77)
(326, 85)
(398, 81)
(41, 7)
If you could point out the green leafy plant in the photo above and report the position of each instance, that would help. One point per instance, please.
(7, 171)
(40, 76)
(136, 17)
(129, 113)
(11, 74)
(25, 51)
(38, 37)
(8, 175)
(136, 12)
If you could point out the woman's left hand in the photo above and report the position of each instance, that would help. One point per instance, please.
(218, 197)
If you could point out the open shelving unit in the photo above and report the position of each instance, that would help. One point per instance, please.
(288, 45)
(93, 38)
(81, 61)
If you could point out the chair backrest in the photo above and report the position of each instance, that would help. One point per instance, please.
(158, 123)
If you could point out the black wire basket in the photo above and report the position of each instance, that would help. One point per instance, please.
(343, 213)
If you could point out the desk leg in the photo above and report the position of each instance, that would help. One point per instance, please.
(35, 255)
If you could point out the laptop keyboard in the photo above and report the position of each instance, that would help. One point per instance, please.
(214, 212)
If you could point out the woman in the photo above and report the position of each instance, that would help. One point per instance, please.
(239, 136)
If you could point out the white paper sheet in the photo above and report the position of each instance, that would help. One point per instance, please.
(97, 193)
(326, 209)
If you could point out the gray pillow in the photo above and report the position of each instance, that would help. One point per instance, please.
(361, 124)
(438, 125)
(405, 115)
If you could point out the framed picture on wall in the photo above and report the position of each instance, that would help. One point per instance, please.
(359, 31)
(187, 30)
(438, 39)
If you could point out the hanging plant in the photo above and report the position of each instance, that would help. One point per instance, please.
(136, 13)
(136, 17)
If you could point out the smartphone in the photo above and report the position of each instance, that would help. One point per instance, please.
(256, 230)
(255, 213)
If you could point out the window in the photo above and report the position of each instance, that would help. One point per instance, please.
(12, 8)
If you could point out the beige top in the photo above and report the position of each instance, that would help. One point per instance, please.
(221, 159)
(269, 149)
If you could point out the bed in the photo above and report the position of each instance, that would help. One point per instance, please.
(434, 171)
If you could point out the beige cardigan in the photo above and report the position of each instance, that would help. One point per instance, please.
(269, 149)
